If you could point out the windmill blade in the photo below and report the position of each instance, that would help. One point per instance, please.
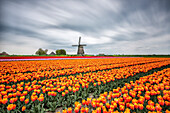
(74, 45)
(83, 45)
(79, 40)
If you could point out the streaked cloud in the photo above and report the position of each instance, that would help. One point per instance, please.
(110, 27)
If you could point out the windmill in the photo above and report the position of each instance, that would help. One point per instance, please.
(80, 47)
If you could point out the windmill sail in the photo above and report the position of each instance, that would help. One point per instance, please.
(79, 40)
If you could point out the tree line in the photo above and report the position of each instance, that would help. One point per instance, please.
(40, 51)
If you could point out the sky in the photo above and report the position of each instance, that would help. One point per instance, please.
(106, 26)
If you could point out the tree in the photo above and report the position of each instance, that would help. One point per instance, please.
(41, 52)
(63, 52)
(46, 50)
(60, 52)
(3, 53)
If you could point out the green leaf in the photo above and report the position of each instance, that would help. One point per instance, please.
(32, 111)
(39, 109)
(18, 111)
(42, 110)
(54, 104)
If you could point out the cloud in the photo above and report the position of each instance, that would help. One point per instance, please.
(110, 27)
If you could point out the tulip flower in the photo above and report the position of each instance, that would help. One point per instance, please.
(11, 107)
(12, 100)
(86, 110)
(121, 107)
(63, 94)
(26, 101)
(83, 102)
(64, 111)
(76, 110)
(41, 98)
(147, 97)
(23, 108)
(140, 106)
(4, 101)
(22, 98)
(69, 110)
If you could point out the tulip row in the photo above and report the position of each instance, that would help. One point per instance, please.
(41, 70)
(50, 58)
(64, 91)
(148, 94)
(33, 66)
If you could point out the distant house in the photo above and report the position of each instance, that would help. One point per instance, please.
(3, 53)
(52, 53)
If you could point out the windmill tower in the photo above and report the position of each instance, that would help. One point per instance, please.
(80, 47)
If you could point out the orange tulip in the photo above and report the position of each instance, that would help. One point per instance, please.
(161, 102)
(140, 106)
(25, 93)
(12, 100)
(94, 84)
(64, 111)
(4, 101)
(11, 107)
(66, 91)
(76, 109)
(74, 89)
(22, 98)
(23, 108)
(63, 94)
(109, 97)
(136, 105)
(131, 106)
(3, 93)
(86, 110)
(82, 110)
(34, 98)
(150, 102)
(107, 105)
(83, 102)
(121, 107)
(158, 107)
(147, 97)
(26, 101)
(69, 110)
(41, 98)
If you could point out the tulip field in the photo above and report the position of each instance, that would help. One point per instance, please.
(93, 85)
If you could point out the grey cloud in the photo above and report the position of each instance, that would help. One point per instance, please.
(59, 23)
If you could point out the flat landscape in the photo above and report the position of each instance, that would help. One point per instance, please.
(84, 84)
(84, 56)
